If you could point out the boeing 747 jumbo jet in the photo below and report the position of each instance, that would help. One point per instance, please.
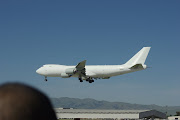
(91, 72)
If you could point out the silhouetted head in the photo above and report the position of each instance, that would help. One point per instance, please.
(22, 102)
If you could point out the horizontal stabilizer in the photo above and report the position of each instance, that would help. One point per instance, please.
(137, 66)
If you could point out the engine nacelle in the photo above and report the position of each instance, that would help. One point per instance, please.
(64, 75)
(70, 71)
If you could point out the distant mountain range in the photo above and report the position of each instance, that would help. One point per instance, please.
(88, 103)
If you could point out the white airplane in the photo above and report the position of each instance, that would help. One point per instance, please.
(91, 72)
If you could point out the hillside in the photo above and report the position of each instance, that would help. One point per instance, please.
(88, 103)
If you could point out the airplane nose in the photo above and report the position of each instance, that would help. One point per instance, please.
(39, 71)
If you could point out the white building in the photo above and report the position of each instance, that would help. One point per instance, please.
(107, 114)
(174, 118)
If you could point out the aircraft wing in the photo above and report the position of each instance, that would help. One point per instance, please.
(81, 65)
(80, 68)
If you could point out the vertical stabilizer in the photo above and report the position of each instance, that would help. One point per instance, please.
(139, 58)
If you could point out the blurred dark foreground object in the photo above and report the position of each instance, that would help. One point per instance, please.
(22, 102)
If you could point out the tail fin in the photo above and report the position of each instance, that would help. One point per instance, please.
(139, 58)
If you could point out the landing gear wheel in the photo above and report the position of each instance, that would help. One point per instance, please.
(45, 78)
(80, 80)
(90, 81)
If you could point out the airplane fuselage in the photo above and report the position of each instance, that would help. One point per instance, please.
(94, 71)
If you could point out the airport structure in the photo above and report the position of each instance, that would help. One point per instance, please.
(108, 114)
(174, 118)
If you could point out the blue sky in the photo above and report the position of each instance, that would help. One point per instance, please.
(33, 33)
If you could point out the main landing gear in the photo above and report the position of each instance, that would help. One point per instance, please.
(45, 78)
(80, 79)
(90, 80)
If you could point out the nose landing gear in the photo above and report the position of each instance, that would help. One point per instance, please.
(45, 78)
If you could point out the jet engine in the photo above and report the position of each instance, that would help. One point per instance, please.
(70, 71)
(64, 75)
